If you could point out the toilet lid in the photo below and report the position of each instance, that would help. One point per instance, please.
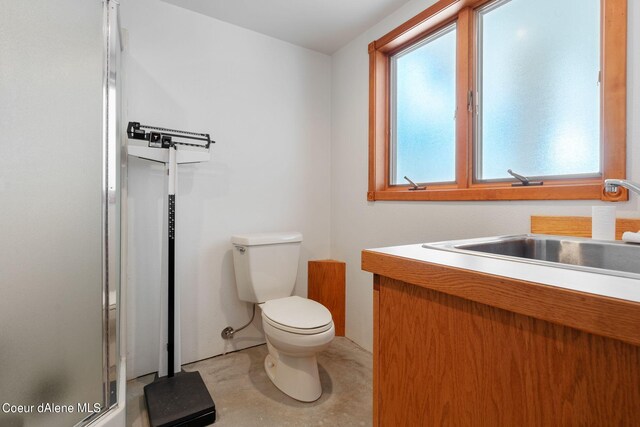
(296, 312)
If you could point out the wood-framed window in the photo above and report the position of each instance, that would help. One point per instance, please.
(468, 171)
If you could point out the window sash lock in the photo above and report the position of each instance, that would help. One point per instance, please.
(524, 181)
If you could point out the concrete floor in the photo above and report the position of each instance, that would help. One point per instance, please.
(245, 397)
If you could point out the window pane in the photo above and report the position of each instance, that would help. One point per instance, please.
(423, 139)
(539, 94)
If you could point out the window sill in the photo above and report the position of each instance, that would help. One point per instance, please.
(585, 191)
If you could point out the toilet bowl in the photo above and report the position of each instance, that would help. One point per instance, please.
(296, 329)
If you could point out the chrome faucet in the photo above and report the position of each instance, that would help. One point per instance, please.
(611, 185)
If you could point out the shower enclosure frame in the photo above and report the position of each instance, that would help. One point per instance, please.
(113, 200)
(62, 251)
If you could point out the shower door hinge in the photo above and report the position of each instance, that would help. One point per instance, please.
(470, 101)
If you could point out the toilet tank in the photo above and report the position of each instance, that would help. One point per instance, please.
(266, 265)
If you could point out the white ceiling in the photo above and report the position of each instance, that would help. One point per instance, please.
(321, 25)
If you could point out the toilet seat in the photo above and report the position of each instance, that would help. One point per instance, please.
(297, 315)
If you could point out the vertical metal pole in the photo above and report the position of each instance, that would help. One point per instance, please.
(171, 279)
(106, 198)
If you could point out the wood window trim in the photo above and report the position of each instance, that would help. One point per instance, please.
(613, 111)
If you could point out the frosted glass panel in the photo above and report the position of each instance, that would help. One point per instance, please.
(423, 140)
(539, 93)
(51, 59)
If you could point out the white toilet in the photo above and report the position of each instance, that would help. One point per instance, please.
(296, 329)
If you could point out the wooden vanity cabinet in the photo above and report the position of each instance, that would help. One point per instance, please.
(460, 348)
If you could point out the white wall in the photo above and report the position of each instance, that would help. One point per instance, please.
(267, 104)
(357, 224)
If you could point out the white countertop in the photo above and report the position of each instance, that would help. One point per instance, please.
(594, 283)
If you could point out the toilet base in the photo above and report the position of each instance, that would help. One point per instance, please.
(296, 377)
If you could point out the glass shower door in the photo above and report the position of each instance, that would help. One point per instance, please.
(53, 215)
